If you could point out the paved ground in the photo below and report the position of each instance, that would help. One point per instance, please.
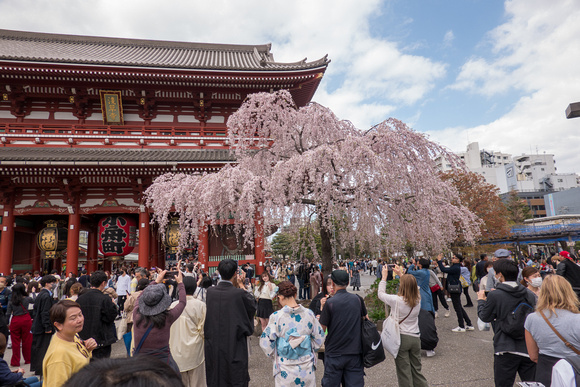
(462, 359)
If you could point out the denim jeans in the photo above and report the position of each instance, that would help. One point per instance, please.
(301, 290)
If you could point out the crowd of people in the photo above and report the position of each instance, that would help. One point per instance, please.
(195, 325)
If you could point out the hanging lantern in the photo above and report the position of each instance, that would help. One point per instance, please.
(52, 239)
(117, 236)
(172, 235)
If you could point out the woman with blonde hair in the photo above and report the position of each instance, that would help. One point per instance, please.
(408, 302)
(556, 311)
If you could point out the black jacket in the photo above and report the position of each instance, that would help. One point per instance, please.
(499, 304)
(453, 272)
(100, 313)
(42, 305)
(569, 270)
(229, 321)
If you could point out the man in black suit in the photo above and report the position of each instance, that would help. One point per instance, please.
(100, 312)
(229, 321)
(42, 328)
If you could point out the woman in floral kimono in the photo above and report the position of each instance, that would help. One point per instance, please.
(291, 338)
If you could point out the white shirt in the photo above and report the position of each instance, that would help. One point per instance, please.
(411, 324)
(123, 284)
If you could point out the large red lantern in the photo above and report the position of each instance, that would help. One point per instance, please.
(117, 236)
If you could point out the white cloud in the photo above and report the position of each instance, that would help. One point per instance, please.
(368, 76)
(448, 38)
(535, 53)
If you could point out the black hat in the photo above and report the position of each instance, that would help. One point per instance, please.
(339, 277)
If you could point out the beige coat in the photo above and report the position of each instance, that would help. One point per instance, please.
(186, 340)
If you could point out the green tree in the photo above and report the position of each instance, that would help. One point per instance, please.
(282, 244)
(518, 209)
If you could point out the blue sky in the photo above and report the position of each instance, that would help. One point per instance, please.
(498, 72)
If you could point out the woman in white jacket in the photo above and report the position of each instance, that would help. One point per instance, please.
(408, 303)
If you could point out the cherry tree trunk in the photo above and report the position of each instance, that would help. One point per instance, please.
(326, 244)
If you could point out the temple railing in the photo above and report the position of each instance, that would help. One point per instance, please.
(127, 135)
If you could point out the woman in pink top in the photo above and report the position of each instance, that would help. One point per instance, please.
(152, 318)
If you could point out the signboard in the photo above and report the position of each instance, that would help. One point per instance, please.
(112, 107)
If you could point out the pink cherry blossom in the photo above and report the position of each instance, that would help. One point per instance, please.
(378, 186)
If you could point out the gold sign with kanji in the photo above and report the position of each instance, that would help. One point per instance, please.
(112, 107)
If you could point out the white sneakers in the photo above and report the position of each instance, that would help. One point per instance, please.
(459, 329)
(436, 314)
(430, 353)
(447, 312)
(448, 299)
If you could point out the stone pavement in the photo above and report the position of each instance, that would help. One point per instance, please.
(462, 359)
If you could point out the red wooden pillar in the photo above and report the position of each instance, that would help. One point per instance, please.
(160, 256)
(259, 245)
(153, 252)
(92, 251)
(107, 265)
(72, 244)
(35, 255)
(203, 249)
(7, 240)
(144, 236)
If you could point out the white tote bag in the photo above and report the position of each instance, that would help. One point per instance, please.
(391, 336)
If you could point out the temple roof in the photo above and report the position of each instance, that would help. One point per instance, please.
(35, 156)
(57, 48)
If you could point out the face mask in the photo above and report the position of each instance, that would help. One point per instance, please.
(536, 282)
(497, 278)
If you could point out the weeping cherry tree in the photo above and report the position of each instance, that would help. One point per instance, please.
(378, 186)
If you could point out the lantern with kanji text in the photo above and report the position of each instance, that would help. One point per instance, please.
(52, 239)
(117, 236)
(172, 235)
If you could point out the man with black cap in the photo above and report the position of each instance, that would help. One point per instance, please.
(342, 314)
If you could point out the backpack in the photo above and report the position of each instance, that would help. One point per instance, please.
(513, 324)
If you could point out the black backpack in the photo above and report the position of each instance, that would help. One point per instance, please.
(513, 324)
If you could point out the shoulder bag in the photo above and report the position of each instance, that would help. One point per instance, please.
(566, 342)
(391, 334)
(138, 348)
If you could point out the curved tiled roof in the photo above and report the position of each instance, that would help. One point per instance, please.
(56, 48)
(80, 155)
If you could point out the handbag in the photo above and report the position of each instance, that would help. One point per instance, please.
(435, 287)
(373, 352)
(391, 334)
(463, 282)
(454, 288)
(121, 328)
(483, 326)
(566, 342)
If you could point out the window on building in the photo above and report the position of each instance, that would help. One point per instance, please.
(560, 180)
